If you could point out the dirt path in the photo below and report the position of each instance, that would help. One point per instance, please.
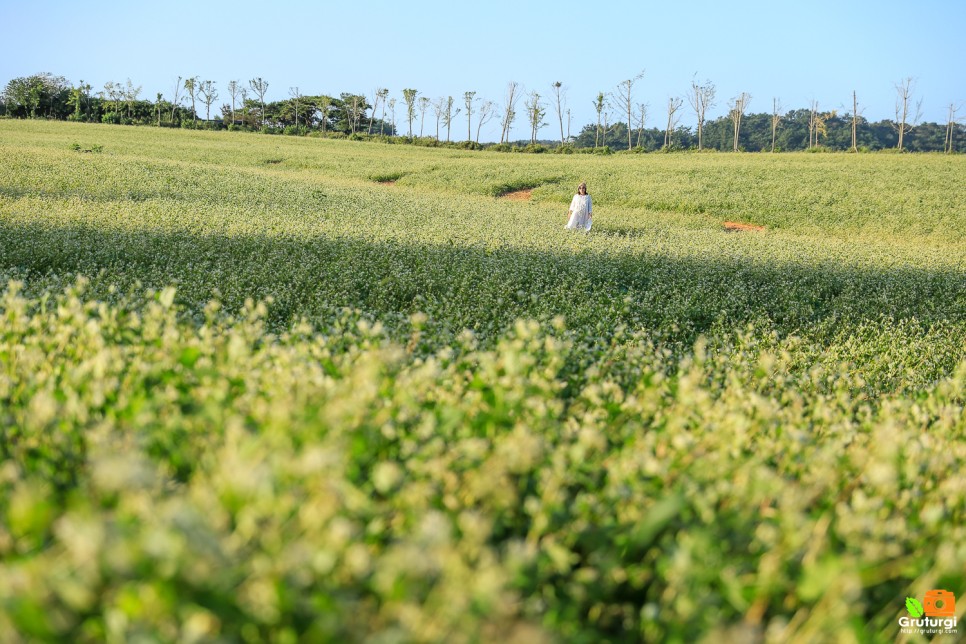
(518, 195)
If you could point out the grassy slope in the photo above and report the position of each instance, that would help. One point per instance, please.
(301, 221)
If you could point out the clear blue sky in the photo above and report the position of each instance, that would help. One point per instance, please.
(797, 52)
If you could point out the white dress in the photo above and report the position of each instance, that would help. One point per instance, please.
(580, 211)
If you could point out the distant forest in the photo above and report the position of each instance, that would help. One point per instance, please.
(194, 103)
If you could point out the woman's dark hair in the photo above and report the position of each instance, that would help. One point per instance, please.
(583, 185)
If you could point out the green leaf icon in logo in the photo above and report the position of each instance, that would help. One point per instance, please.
(914, 607)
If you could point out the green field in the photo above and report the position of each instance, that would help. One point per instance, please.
(261, 388)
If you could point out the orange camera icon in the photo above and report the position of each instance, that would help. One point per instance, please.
(939, 603)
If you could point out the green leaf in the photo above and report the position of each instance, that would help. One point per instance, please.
(914, 607)
(189, 356)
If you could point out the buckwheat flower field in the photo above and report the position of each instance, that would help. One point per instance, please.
(261, 388)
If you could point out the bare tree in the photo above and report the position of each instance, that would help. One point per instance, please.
(737, 107)
(439, 105)
(642, 112)
(603, 137)
(468, 101)
(409, 95)
(950, 129)
(423, 106)
(157, 105)
(244, 103)
(673, 105)
(817, 124)
(130, 95)
(906, 120)
(113, 92)
(812, 123)
(359, 108)
(355, 106)
(383, 95)
(509, 110)
(260, 87)
(821, 125)
(449, 115)
(177, 92)
(191, 86)
(625, 101)
(560, 96)
(392, 112)
(375, 106)
(324, 107)
(599, 105)
(209, 94)
(535, 112)
(855, 122)
(701, 98)
(109, 93)
(296, 101)
(487, 112)
(776, 109)
(82, 96)
(233, 91)
(377, 95)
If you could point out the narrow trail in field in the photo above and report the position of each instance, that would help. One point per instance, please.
(735, 227)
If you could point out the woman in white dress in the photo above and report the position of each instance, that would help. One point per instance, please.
(581, 212)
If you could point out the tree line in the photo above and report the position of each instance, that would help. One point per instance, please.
(622, 121)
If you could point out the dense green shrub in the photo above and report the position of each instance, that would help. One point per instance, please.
(502, 147)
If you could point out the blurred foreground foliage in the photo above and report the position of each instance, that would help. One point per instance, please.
(204, 480)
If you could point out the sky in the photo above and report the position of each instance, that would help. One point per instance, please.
(793, 51)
